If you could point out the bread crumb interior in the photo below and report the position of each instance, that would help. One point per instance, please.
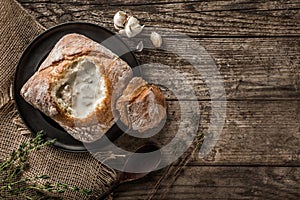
(81, 89)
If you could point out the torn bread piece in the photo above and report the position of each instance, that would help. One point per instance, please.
(77, 86)
(142, 106)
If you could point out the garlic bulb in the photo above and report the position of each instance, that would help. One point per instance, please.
(120, 19)
(156, 39)
(133, 27)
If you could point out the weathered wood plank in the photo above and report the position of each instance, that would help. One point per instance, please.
(255, 132)
(202, 182)
(196, 18)
(252, 68)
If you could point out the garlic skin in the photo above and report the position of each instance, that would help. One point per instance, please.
(140, 46)
(156, 39)
(120, 19)
(122, 32)
(133, 27)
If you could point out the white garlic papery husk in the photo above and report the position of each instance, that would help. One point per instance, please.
(133, 27)
(156, 39)
(120, 19)
(122, 32)
(140, 46)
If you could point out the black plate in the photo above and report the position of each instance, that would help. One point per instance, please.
(31, 59)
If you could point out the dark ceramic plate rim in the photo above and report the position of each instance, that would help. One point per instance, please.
(80, 146)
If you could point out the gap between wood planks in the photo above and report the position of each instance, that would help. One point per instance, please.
(222, 183)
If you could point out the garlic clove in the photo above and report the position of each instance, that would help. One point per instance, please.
(133, 27)
(120, 19)
(140, 46)
(117, 27)
(122, 32)
(156, 39)
(132, 21)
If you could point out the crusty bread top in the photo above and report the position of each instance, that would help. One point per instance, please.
(41, 88)
(74, 45)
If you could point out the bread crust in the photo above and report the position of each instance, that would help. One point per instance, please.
(38, 90)
(142, 106)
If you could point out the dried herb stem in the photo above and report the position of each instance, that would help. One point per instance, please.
(12, 168)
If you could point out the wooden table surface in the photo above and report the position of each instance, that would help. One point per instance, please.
(256, 46)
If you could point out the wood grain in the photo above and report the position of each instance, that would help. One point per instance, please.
(196, 18)
(221, 182)
(252, 68)
(254, 133)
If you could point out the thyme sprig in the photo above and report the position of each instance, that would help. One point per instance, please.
(13, 184)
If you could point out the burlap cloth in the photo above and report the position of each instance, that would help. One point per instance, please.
(17, 30)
